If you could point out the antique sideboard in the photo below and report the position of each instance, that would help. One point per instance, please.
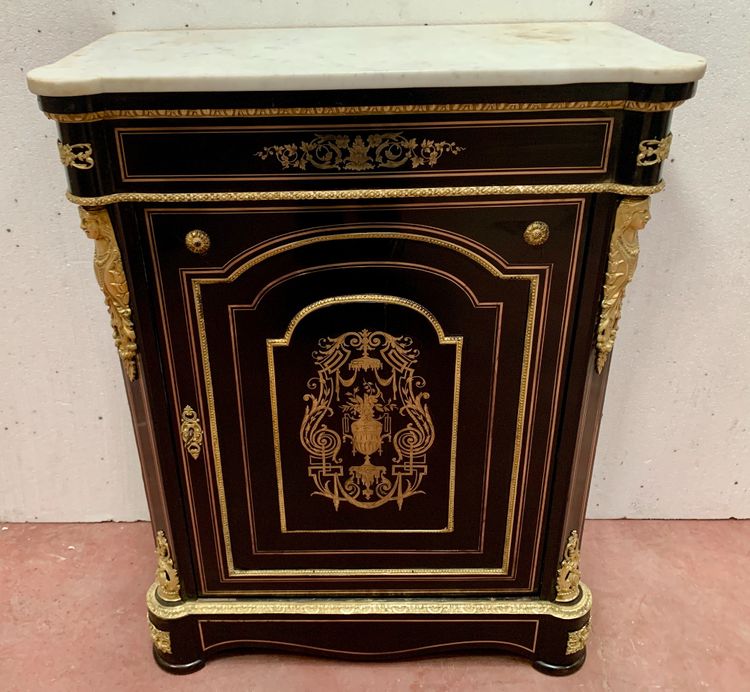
(364, 284)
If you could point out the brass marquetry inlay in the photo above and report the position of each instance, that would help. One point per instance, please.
(368, 380)
(76, 155)
(536, 233)
(632, 216)
(162, 640)
(653, 151)
(111, 277)
(577, 639)
(197, 241)
(368, 193)
(376, 151)
(191, 432)
(393, 109)
(167, 581)
(569, 573)
(381, 605)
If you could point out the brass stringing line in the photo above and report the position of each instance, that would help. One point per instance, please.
(463, 643)
(454, 432)
(456, 341)
(369, 193)
(398, 109)
(521, 418)
(209, 386)
(449, 528)
(212, 421)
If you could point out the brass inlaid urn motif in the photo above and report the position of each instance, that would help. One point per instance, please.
(380, 405)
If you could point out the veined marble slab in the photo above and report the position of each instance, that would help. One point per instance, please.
(364, 58)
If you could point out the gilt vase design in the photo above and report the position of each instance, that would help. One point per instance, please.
(377, 450)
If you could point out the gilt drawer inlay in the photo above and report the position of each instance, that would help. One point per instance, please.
(547, 146)
(371, 300)
(341, 152)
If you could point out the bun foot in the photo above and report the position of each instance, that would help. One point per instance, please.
(556, 669)
(178, 668)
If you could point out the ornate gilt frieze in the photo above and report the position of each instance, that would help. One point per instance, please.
(76, 155)
(167, 581)
(342, 152)
(653, 151)
(111, 277)
(632, 216)
(392, 109)
(162, 640)
(569, 573)
(191, 432)
(577, 639)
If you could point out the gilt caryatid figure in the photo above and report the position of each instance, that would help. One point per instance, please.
(632, 216)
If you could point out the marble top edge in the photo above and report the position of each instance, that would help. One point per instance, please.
(522, 54)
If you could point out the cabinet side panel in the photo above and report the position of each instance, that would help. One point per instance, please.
(149, 409)
(579, 425)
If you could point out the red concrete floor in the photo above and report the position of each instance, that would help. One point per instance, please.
(671, 612)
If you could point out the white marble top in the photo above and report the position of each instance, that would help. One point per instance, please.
(364, 58)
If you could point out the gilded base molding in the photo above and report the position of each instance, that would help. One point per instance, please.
(368, 606)
(370, 628)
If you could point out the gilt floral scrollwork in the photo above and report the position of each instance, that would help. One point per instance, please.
(577, 639)
(162, 640)
(358, 153)
(653, 151)
(167, 581)
(76, 155)
(191, 432)
(569, 573)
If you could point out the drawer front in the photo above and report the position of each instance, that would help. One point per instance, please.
(377, 389)
(413, 152)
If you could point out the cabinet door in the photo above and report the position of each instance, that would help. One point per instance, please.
(377, 386)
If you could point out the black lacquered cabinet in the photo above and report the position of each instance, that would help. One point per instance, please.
(366, 335)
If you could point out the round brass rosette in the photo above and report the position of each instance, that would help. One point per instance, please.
(536, 233)
(198, 242)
